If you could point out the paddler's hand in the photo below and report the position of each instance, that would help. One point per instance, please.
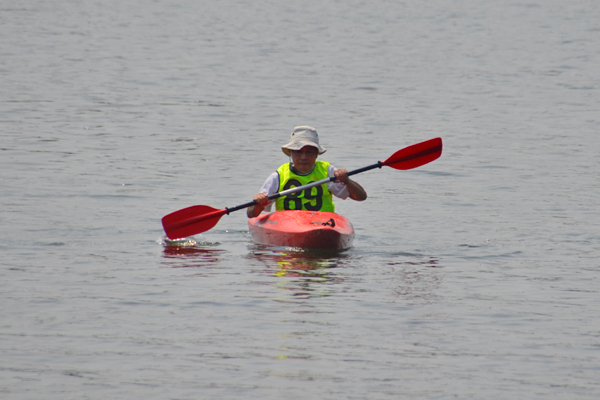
(356, 191)
(341, 175)
(261, 199)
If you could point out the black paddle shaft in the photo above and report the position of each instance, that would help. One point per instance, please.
(363, 169)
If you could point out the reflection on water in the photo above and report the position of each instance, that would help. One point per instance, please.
(307, 273)
(189, 253)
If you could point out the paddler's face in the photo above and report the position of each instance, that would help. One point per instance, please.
(304, 159)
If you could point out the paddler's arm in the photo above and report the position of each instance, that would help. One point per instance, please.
(356, 191)
(262, 200)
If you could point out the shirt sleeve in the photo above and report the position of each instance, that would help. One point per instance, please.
(271, 186)
(338, 189)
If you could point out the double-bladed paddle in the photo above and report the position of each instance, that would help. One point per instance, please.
(197, 219)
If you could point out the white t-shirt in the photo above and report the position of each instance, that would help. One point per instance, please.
(338, 189)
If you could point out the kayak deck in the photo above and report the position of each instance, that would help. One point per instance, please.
(304, 229)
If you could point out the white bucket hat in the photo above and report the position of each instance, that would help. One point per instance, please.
(303, 136)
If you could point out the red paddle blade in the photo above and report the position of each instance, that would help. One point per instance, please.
(191, 221)
(416, 155)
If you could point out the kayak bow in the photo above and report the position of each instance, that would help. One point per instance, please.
(304, 229)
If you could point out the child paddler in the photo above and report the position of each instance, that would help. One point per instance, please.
(303, 168)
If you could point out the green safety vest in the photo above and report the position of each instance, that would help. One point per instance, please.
(317, 198)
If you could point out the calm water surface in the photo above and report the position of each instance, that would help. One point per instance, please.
(474, 277)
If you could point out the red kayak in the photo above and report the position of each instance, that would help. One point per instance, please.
(305, 229)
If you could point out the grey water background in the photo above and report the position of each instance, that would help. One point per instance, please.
(473, 277)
